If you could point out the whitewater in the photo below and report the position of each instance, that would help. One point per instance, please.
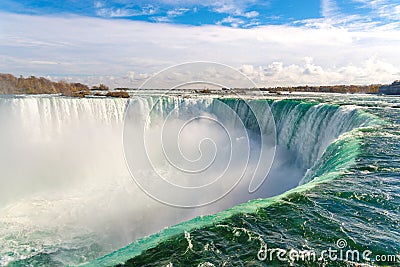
(74, 187)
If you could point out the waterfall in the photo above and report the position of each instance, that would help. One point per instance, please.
(64, 173)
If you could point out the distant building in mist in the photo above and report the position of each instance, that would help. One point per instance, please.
(392, 89)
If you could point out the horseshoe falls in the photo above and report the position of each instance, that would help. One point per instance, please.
(84, 180)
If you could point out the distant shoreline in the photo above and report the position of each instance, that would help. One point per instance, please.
(10, 84)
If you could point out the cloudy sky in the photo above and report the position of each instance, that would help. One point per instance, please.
(275, 42)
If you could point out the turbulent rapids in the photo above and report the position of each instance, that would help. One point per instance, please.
(67, 192)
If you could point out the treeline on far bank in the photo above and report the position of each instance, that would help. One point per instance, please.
(9, 84)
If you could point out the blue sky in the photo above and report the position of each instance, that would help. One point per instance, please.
(276, 42)
(244, 14)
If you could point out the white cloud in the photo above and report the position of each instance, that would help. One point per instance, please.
(234, 8)
(162, 19)
(177, 11)
(372, 13)
(88, 48)
(273, 69)
(311, 68)
(369, 71)
(247, 69)
(234, 22)
(328, 8)
(43, 62)
(227, 8)
(98, 4)
(230, 7)
(251, 14)
(382, 8)
(112, 12)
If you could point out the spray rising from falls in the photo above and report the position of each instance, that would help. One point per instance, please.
(67, 191)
